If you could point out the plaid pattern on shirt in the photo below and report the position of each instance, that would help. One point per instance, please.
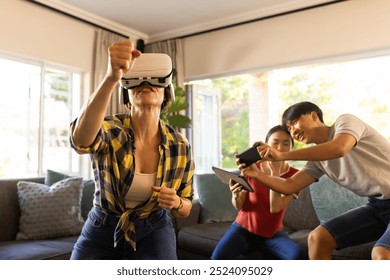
(112, 156)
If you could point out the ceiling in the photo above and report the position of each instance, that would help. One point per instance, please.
(155, 20)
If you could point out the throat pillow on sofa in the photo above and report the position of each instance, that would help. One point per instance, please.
(49, 211)
(215, 199)
(87, 194)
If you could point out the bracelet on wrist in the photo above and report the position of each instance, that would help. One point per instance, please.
(178, 209)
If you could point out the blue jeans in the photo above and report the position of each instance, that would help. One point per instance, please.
(238, 240)
(155, 238)
(361, 225)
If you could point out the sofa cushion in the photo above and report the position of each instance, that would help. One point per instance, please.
(300, 237)
(326, 196)
(214, 198)
(53, 177)
(59, 248)
(88, 189)
(359, 252)
(300, 213)
(9, 207)
(202, 238)
(48, 212)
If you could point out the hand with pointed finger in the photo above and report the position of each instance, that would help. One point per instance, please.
(167, 197)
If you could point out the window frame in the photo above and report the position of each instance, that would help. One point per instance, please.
(74, 105)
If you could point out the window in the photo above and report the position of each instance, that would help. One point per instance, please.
(37, 104)
(250, 104)
(206, 126)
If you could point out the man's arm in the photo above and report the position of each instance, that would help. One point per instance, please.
(288, 186)
(278, 201)
(338, 147)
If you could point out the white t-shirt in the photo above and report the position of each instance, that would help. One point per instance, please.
(365, 170)
(141, 189)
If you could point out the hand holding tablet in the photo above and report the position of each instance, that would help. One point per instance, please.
(225, 176)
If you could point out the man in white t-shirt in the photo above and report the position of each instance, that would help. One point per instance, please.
(352, 154)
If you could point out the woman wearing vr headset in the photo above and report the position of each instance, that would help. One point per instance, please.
(142, 167)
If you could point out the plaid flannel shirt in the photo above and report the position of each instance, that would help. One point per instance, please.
(112, 156)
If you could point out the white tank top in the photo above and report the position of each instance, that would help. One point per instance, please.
(140, 190)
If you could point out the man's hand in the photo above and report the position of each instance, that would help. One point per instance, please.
(269, 153)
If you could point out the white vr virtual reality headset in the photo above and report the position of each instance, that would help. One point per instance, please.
(153, 69)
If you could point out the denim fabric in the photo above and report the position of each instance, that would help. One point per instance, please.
(155, 238)
(237, 240)
(361, 225)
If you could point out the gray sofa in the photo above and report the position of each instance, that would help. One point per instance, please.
(51, 248)
(213, 213)
(197, 235)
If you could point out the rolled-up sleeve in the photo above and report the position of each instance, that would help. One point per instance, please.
(84, 150)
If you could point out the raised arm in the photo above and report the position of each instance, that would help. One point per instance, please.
(121, 58)
(339, 146)
(289, 186)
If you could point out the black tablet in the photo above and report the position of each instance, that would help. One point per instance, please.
(225, 176)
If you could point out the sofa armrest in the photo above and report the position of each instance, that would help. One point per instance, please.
(9, 206)
(193, 217)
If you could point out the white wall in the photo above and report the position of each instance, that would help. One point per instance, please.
(341, 29)
(346, 28)
(31, 31)
(34, 32)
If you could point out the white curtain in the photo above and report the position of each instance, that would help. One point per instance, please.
(103, 40)
(174, 49)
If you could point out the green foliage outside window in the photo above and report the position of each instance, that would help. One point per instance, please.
(234, 117)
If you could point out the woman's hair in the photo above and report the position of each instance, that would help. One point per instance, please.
(276, 129)
(295, 111)
(167, 99)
